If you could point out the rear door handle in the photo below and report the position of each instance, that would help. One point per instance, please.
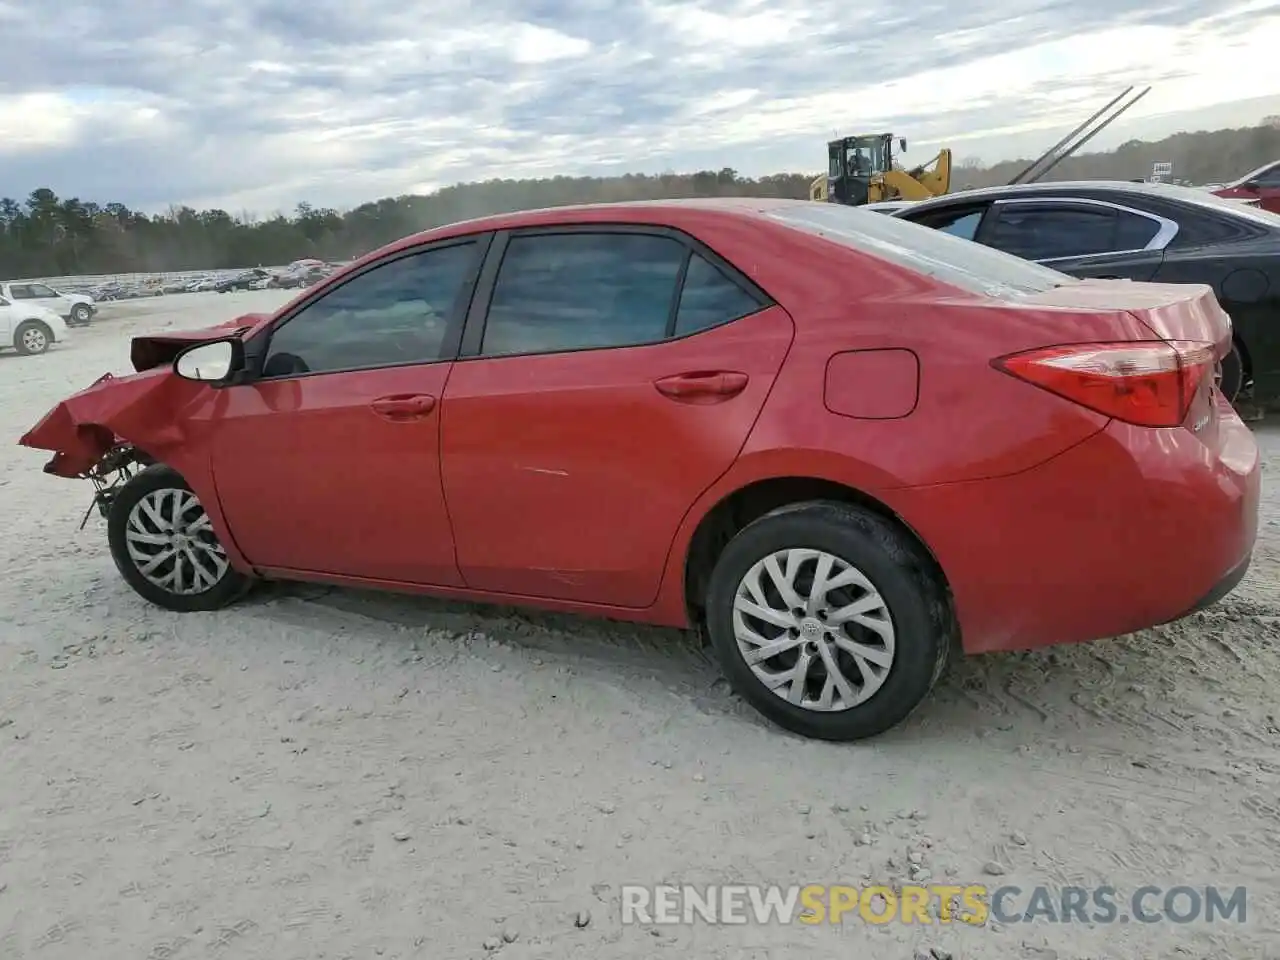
(408, 406)
(693, 387)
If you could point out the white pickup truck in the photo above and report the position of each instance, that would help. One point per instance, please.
(28, 328)
(76, 308)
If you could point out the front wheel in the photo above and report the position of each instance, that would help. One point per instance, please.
(164, 546)
(828, 620)
(80, 314)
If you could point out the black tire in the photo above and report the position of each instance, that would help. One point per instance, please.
(80, 314)
(32, 337)
(898, 569)
(1232, 374)
(227, 589)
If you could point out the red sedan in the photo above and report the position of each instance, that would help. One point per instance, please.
(1261, 185)
(839, 443)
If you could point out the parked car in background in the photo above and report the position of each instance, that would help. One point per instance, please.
(1262, 185)
(28, 327)
(698, 413)
(1140, 231)
(77, 309)
(243, 280)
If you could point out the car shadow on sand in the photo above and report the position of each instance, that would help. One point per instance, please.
(1139, 689)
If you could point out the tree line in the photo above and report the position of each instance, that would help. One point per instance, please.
(47, 235)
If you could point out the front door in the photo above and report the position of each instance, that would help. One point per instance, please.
(600, 402)
(329, 462)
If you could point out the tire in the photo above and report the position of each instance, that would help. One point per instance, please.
(131, 520)
(915, 633)
(32, 337)
(1231, 374)
(80, 314)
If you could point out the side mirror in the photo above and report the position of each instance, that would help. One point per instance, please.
(902, 144)
(210, 362)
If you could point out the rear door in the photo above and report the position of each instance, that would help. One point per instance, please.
(608, 376)
(1085, 238)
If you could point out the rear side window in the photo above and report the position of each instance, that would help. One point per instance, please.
(575, 291)
(951, 260)
(1042, 233)
(709, 298)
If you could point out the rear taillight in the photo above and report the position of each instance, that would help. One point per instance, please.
(1148, 383)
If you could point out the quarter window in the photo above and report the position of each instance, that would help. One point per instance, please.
(574, 291)
(962, 224)
(396, 313)
(709, 298)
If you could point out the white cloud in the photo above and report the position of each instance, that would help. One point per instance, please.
(266, 102)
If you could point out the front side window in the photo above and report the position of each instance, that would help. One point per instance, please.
(396, 313)
(39, 290)
(1045, 233)
(574, 291)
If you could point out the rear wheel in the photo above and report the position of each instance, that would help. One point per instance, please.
(164, 546)
(32, 337)
(828, 620)
(1230, 374)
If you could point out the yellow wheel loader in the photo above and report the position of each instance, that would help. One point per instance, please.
(861, 170)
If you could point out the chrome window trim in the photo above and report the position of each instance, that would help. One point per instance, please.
(1167, 230)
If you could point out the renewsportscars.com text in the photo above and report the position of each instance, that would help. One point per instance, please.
(929, 904)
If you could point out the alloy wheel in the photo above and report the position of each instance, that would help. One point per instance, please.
(34, 340)
(172, 543)
(813, 629)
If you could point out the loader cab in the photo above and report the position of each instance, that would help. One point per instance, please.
(856, 165)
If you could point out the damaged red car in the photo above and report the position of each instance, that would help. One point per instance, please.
(840, 444)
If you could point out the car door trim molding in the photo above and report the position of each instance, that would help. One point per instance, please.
(1167, 229)
(257, 347)
(478, 313)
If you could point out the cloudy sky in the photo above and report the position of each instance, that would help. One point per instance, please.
(257, 104)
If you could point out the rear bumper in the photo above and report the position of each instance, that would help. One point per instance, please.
(1126, 530)
(1220, 589)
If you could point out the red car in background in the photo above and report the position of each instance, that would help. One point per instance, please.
(837, 442)
(1262, 185)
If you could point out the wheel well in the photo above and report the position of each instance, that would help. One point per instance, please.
(753, 501)
(1246, 361)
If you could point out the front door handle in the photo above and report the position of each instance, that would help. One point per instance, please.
(702, 387)
(408, 406)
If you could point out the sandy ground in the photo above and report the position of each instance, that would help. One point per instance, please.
(327, 774)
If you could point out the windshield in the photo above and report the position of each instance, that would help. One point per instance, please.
(865, 157)
(960, 263)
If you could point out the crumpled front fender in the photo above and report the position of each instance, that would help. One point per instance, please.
(142, 410)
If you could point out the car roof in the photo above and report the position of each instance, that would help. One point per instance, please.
(1174, 193)
(639, 212)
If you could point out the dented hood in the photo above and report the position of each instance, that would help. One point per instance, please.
(140, 408)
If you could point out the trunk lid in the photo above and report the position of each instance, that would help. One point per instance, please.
(1187, 312)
